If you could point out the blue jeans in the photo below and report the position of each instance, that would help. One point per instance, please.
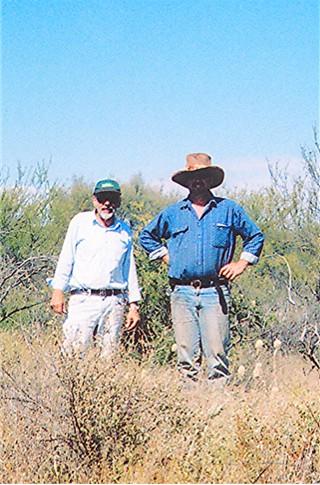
(201, 326)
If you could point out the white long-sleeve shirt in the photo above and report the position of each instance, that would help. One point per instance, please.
(97, 257)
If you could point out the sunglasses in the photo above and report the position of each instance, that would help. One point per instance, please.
(103, 198)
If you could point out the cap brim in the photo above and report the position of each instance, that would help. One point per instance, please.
(106, 191)
(214, 175)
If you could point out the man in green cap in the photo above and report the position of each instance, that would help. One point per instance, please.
(96, 265)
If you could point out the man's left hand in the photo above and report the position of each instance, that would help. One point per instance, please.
(133, 317)
(233, 269)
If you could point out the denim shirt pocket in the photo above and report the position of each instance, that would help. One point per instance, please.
(221, 235)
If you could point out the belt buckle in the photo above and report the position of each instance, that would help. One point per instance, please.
(196, 284)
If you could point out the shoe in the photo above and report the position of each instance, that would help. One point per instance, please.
(219, 382)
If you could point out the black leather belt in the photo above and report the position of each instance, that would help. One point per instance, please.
(104, 293)
(199, 282)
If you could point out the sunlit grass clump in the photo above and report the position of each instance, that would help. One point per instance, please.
(126, 421)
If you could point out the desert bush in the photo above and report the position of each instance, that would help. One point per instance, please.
(34, 214)
(278, 297)
(285, 284)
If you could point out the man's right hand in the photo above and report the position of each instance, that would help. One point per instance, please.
(165, 258)
(58, 302)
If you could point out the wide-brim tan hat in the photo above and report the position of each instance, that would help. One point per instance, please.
(199, 164)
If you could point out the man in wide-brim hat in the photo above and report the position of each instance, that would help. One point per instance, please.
(200, 237)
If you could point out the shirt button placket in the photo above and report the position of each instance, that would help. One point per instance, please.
(199, 244)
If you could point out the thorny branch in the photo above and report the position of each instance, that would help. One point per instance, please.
(24, 274)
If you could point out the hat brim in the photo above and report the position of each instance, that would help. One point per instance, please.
(214, 175)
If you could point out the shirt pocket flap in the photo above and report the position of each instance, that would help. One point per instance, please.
(221, 235)
(179, 230)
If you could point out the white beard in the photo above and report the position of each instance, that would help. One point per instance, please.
(106, 215)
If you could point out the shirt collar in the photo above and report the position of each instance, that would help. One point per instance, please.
(187, 204)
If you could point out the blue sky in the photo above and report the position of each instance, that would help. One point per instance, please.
(117, 87)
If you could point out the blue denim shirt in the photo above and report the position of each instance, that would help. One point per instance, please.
(200, 247)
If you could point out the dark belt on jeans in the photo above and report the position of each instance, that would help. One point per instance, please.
(104, 293)
(199, 283)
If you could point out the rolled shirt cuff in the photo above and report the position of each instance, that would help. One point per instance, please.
(158, 253)
(134, 296)
(251, 258)
(57, 285)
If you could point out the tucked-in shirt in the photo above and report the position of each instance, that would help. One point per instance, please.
(97, 257)
(199, 247)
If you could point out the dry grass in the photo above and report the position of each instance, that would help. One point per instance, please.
(89, 421)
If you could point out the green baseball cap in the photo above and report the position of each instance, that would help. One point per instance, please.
(107, 185)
